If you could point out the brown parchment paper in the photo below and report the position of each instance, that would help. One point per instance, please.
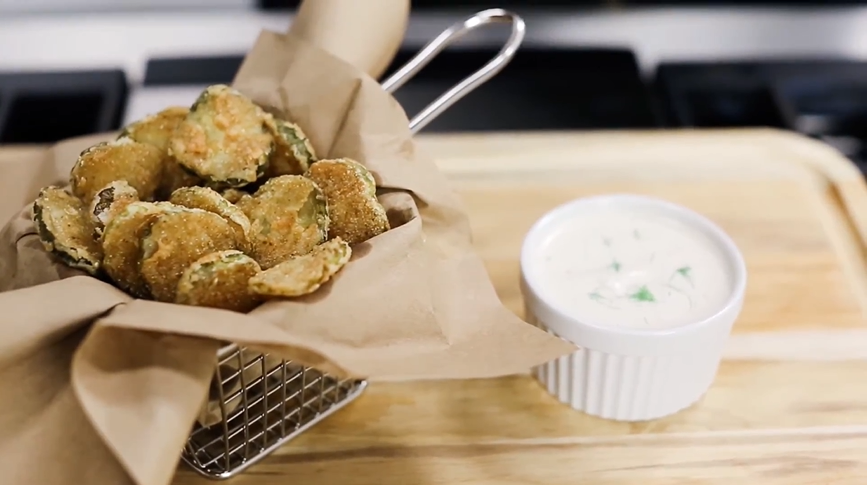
(104, 389)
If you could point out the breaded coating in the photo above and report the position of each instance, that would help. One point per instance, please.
(209, 200)
(138, 164)
(292, 153)
(233, 195)
(356, 215)
(157, 130)
(175, 241)
(244, 203)
(288, 216)
(112, 199)
(302, 275)
(224, 139)
(121, 241)
(219, 280)
(65, 230)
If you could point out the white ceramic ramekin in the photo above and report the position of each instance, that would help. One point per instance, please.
(631, 374)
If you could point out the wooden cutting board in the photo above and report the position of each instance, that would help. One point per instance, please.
(789, 405)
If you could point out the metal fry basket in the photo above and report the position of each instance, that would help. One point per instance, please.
(258, 402)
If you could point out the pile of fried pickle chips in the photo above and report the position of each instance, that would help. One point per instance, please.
(220, 205)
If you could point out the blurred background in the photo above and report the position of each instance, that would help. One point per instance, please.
(70, 67)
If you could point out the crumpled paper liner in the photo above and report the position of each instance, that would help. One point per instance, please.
(415, 302)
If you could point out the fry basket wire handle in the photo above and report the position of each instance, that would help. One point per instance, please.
(471, 82)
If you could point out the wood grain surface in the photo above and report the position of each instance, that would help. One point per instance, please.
(789, 405)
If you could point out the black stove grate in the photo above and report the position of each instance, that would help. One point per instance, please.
(542, 89)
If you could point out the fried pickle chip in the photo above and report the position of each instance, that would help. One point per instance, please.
(108, 202)
(356, 214)
(302, 275)
(292, 153)
(175, 241)
(138, 164)
(65, 230)
(224, 139)
(157, 130)
(219, 280)
(209, 200)
(121, 242)
(288, 216)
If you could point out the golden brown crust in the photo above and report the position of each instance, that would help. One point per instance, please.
(138, 164)
(234, 195)
(304, 274)
(121, 242)
(175, 241)
(219, 280)
(244, 203)
(288, 216)
(356, 214)
(65, 230)
(157, 130)
(211, 201)
(224, 139)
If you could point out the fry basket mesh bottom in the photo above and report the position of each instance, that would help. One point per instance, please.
(259, 404)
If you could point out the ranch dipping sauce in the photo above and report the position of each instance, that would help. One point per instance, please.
(647, 291)
(638, 269)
